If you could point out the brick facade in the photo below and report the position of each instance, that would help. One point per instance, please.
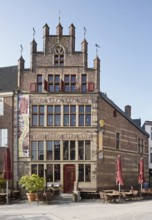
(43, 65)
(6, 122)
(129, 149)
(64, 128)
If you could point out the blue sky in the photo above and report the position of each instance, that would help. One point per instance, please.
(122, 28)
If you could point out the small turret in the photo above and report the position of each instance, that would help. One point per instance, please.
(21, 62)
(97, 63)
(72, 37)
(84, 48)
(97, 72)
(59, 29)
(46, 31)
(33, 46)
(72, 30)
(33, 54)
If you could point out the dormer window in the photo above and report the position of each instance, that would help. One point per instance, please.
(58, 56)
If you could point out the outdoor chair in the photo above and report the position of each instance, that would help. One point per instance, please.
(135, 194)
(102, 196)
(3, 198)
(16, 194)
(48, 196)
(56, 188)
(144, 193)
(149, 193)
(40, 197)
(123, 196)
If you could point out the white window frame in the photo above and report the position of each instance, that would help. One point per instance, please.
(3, 137)
(1, 106)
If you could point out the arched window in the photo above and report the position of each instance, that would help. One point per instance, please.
(58, 56)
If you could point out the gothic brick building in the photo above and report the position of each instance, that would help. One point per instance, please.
(64, 128)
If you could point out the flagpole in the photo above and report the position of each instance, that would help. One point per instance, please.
(7, 190)
(34, 33)
(85, 31)
(119, 187)
(21, 48)
(7, 202)
(97, 46)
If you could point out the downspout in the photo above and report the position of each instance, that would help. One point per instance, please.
(17, 141)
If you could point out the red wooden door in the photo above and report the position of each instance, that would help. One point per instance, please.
(69, 178)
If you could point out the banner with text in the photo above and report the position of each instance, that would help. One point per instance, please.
(23, 126)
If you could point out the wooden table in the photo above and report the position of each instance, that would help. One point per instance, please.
(127, 195)
(3, 195)
(113, 197)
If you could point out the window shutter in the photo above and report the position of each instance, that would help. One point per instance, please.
(90, 86)
(62, 86)
(45, 85)
(33, 87)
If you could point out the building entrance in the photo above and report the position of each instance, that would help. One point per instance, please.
(69, 178)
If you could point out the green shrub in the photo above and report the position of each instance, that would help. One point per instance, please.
(2, 182)
(32, 183)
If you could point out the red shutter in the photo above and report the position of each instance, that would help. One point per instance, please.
(90, 86)
(33, 87)
(62, 85)
(45, 85)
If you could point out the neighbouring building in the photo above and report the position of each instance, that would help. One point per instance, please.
(124, 136)
(64, 128)
(148, 128)
(8, 82)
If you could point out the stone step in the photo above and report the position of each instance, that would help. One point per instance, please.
(66, 195)
(64, 198)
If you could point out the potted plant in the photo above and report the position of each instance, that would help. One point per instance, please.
(32, 183)
(74, 196)
(2, 182)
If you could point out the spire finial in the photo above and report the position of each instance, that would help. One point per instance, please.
(85, 31)
(59, 16)
(97, 47)
(34, 33)
(21, 48)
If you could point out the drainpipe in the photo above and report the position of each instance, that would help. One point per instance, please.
(17, 141)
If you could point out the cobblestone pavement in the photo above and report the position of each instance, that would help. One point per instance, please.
(65, 209)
